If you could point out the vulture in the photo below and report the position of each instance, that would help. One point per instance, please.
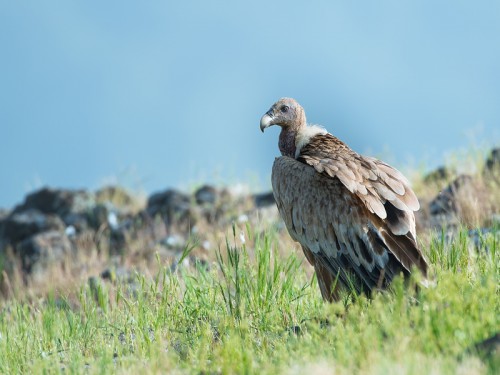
(352, 214)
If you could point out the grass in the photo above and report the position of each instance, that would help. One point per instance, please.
(257, 310)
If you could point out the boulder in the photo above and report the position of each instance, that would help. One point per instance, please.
(58, 201)
(492, 165)
(446, 201)
(21, 225)
(74, 207)
(264, 199)
(43, 249)
(78, 208)
(206, 195)
(489, 347)
(102, 214)
(173, 206)
(78, 221)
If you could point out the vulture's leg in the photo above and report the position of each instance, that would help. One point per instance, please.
(328, 283)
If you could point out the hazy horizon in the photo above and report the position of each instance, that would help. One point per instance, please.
(159, 95)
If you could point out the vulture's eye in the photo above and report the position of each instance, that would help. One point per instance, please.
(285, 109)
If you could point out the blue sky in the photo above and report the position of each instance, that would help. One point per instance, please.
(169, 94)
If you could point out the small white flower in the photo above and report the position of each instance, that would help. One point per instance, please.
(242, 218)
(174, 241)
(113, 220)
(70, 231)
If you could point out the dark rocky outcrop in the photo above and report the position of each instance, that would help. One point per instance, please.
(41, 250)
(493, 161)
(60, 202)
(446, 201)
(491, 171)
(487, 348)
(54, 223)
(173, 207)
(49, 222)
(73, 207)
(264, 199)
(22, 224)
(206, 195)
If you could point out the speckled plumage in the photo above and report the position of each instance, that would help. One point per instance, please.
(353, 215)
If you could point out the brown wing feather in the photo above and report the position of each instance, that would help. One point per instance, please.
(381, 187)
(340, 230)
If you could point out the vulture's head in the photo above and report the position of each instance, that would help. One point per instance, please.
(286, 113)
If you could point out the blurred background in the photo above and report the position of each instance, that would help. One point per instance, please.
(169, 94)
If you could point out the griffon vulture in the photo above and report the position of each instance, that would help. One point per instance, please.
(352, 214)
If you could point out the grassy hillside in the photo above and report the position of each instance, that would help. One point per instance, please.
(243, 299)
(255, 310)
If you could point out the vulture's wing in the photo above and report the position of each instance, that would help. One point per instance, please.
(344, 218)
(383, 189)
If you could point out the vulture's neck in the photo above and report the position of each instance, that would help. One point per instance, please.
(287, 142)
(292, 141)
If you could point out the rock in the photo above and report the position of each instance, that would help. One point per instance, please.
(492, 166)
(169, 201)
(493, 161)
(79, 221)
(58, 201)
(74, 207)
(206, 195)
(210, 206)
(21, 225)
(103, 214)
(43, 249)
(112, 220)
(141, 227)
(264, 199)
(446, 201)
(243, 218)
(78, 208)
(70, 231)
(489, 347)
(173, 206)
(119, 240)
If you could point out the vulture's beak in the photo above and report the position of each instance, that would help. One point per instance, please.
(266, 121)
